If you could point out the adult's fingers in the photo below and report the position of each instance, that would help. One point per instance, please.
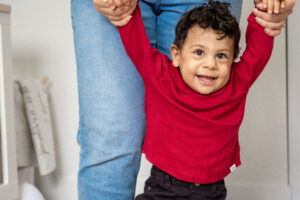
(102, 3)
(272, 17)
(257, 1)
(270, 25)
(270, 6)
(123, 19)
(116, 14)
(122, 22)
(288, 4)
(271, 32)
(110, 3)
(276, 6)
(282, 4)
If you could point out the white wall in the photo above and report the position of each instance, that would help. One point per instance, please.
(263, 134)
(42, 45)
(294, 99)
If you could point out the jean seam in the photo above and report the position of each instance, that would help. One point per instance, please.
(79, 136)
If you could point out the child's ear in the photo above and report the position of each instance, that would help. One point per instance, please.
(175, 53)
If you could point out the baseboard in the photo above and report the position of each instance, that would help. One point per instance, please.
(258, 192)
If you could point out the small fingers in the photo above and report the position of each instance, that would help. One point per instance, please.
(265, 3)
(118, 3)
(260, 6)
(110, 3)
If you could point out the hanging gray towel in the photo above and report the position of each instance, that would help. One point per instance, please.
(25, 151)
(38, 115)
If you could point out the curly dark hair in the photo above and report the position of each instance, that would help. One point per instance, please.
(214, 15)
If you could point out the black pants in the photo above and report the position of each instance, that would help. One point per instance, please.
(162, 186)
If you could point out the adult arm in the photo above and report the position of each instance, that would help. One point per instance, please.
(273, 23)
(118, 16)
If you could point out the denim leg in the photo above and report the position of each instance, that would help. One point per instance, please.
(235, 8)
(149, 20)
(171, 11)
(166, 23)
(111, 108)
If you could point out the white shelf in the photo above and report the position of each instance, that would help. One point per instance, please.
(9, 182)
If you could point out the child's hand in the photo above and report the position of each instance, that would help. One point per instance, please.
(117, 3)
(273, 23)
(272, 6)
(118, 17)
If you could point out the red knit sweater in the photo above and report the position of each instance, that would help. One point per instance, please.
(191, 136)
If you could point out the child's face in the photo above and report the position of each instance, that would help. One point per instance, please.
(204, 61)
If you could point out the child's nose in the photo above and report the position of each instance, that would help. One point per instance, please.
(210, 63)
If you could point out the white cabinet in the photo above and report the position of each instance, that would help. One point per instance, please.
(8, 169)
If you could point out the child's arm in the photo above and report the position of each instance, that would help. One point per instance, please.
(147, 60)
(257, 53)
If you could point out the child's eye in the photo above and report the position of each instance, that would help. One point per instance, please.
(221, 56)
(199, 52)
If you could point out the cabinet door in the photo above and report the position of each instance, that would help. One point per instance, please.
(8, 170)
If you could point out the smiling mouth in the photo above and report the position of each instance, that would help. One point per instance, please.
(206, 80)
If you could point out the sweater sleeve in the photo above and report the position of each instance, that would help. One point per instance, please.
(257, 53)
(146, 59)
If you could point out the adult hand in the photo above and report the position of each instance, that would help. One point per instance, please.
(118, 16)
(273, 23)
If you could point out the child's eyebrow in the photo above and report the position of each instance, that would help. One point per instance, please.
(201, 46)
(225, 50)
(197, 45)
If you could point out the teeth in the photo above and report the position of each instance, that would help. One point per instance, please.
(208, 77)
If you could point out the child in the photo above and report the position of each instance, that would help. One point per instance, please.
(195, 102)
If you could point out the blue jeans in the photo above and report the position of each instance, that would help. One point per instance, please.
(111, 95)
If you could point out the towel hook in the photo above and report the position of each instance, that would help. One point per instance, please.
(45, 79)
